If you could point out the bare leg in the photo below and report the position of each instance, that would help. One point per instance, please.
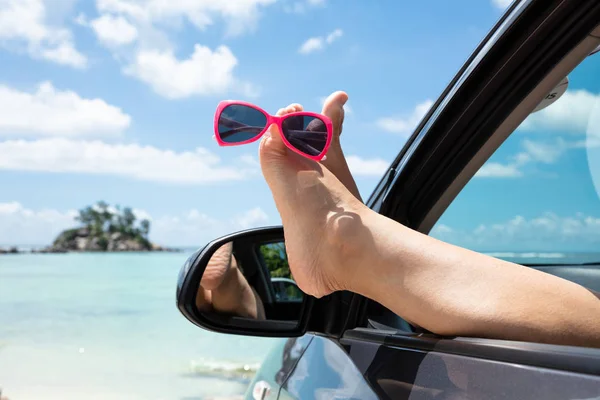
(334, 242)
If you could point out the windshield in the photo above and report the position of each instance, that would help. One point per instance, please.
(536, 200)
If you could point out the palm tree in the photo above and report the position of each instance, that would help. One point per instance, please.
(145, 228)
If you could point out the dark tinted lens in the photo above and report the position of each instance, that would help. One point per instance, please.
(307, 134)
(240, 123)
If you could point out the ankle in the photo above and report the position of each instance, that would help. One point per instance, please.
(348, 236)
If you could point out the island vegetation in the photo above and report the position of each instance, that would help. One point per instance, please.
(105, 228)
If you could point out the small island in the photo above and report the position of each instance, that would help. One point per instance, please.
(105, 229)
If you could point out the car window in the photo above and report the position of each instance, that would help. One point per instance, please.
(284, 287)
(536, 200)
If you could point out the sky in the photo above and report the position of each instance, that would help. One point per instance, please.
(113, 100)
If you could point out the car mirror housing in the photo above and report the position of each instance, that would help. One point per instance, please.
(241, 284)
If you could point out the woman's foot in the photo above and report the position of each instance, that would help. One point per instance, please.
(322, 219)
(224, 288)
(335, 160)
(217, 267)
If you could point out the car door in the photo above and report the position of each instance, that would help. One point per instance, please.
(377, 354)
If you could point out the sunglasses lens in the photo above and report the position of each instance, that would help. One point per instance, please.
(239, 123)
(305, 133)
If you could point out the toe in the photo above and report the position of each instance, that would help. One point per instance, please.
(295, 107)
(334, 109)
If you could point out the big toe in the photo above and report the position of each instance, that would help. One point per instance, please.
(333, 107)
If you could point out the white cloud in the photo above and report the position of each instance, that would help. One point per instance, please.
(534, 152)
(23, 226)
(205, 72)
(52, 112)
(406, 124)
(140, 214)
(20, 225)
(239, 16)
(300, 7)
(546, 153)
(497, 170)
(81, 20)
(441, 229)
(24, 28)
(64, 53)
(139, 33)
(569, 114)
(546, 231)
(133, 161)
(311, 45)
(333, 36)
(114, 31)
(251, 219)
(319, 43)
(196, 228)
(502, 4)
(364, 167)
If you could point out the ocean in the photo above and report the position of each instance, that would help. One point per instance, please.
(105, 326)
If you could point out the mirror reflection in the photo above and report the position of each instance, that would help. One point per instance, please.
(250, 280)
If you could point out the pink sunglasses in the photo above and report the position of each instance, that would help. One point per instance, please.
(308, 134)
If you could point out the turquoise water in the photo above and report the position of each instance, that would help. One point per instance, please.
(105, 326)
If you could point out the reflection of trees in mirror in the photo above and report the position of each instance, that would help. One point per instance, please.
(276, 260)
(293, 292)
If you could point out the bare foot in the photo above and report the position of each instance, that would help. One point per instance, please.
(336, 161)
(224, 288)
(217, 267)
(321, 217)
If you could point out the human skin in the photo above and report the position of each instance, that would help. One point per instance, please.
(334, 242)
(224, 288)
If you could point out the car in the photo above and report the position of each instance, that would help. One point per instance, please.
(286, 289)
(347, 346)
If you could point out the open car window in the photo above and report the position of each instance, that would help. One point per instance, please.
(537, 199)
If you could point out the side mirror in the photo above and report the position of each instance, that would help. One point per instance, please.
(241, 284)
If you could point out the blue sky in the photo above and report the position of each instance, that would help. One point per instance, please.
(113, 100)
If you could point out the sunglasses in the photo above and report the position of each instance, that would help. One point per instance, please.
(308, 134)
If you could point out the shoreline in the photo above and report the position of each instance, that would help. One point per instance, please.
(14, 250)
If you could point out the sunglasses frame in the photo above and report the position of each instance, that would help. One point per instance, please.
(277, 120)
